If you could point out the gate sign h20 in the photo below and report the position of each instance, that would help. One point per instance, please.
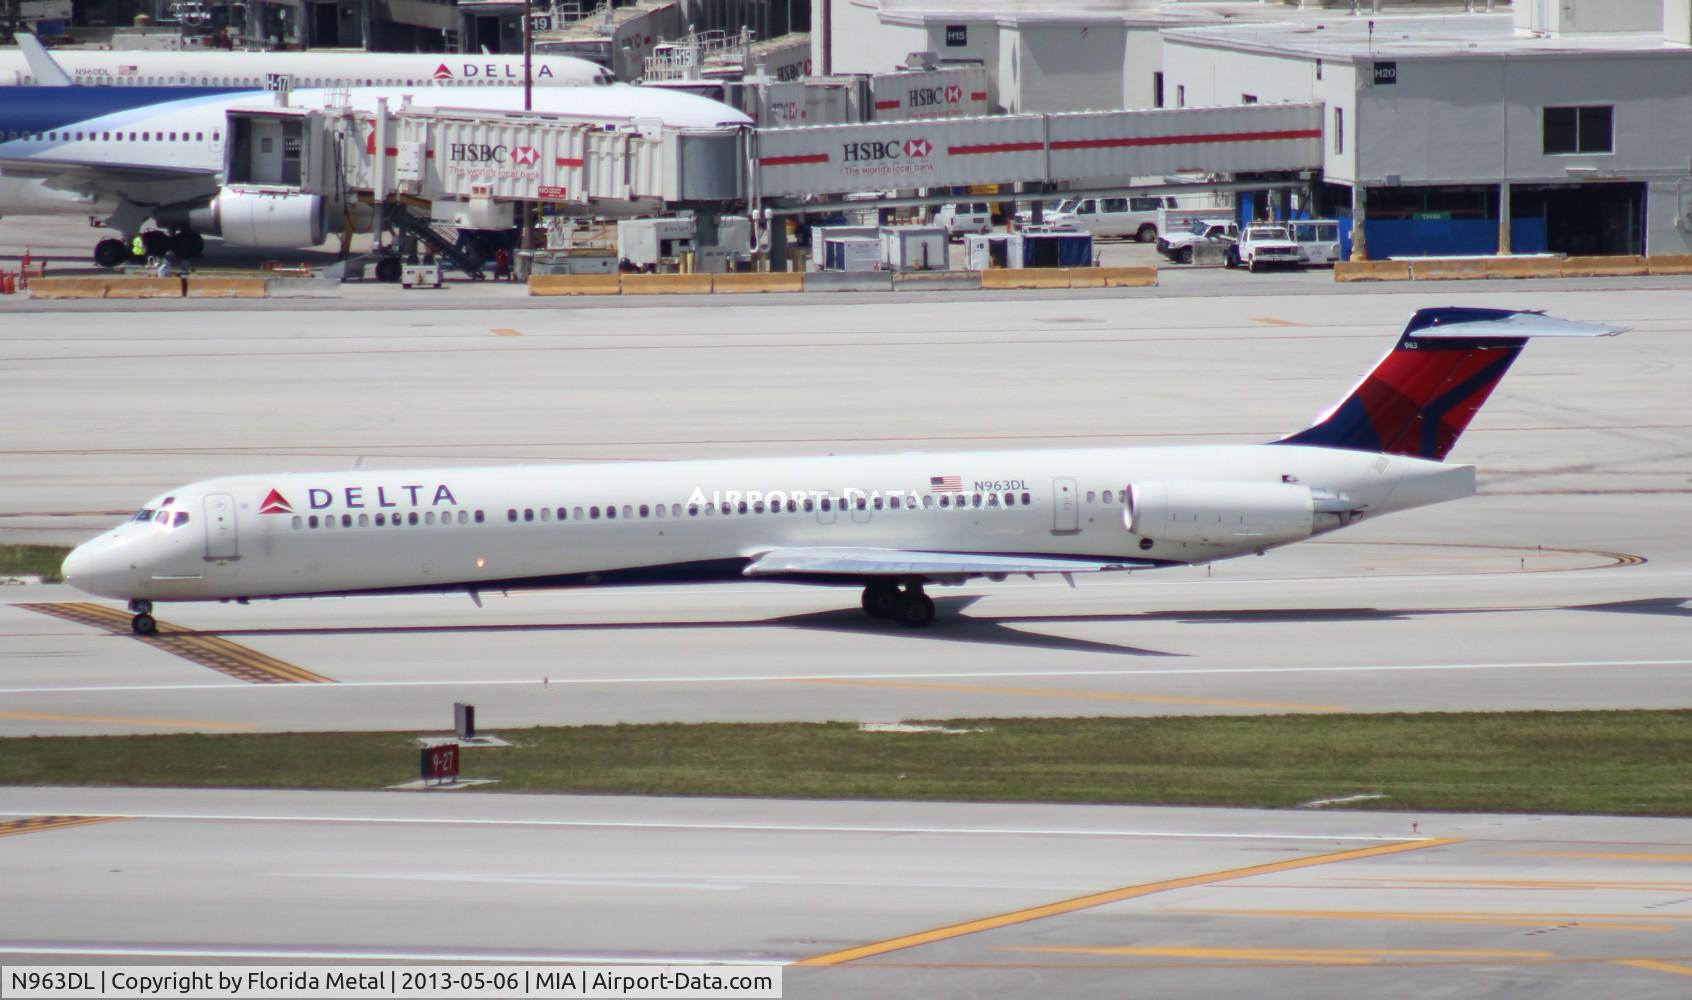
(1386, 74)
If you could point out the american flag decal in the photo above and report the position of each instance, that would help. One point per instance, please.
(945, 484)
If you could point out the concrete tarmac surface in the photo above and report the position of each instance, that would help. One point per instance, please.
(1565, 584)
(857, 898)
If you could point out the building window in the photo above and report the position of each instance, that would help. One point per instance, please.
(1248, 98)
(1579, 130)
(1339, 131)
(1180, 95)
(1157, 90)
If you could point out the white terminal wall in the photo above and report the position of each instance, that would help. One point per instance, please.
(1061, 66)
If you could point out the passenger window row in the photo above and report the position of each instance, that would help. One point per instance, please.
(1108, 496)
(394, 520)
(791, 505)
(148, 136)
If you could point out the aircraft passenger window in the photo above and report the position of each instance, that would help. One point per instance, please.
(528, 513)
(546, 513)
(1091, 496)
(146, 137)
(131, 136)
(1025, 500)
(364, 520)
(658, 510)
(675, 510)
(827, 503)
(346, 520)
(464, 517)
(105, 137)
(992, 499)
(429, 518)
(628, 511)
(411, 518)
(381, 520)
(740, 508)
(977, 500)
(298, 520)
(809, 504)
(692, 510)
(610, 512)
(1010, 499)
(173, 137)
(578, 513)
(511, 514)
(1108, 495)
(877, 504)
(328, 521)
(312, 523)
(479, 517)
(757, 507)
(645, 510)
(792, 505)
(593, 513)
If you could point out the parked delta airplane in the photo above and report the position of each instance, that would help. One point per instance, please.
(267, 70)
(125, 155)
(891, 524)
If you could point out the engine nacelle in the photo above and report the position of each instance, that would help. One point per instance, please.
(1235, 515)
(259, 218)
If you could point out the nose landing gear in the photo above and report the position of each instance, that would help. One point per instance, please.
(908, 605)
(143, 623)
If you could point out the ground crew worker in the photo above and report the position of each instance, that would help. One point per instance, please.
(138, 247)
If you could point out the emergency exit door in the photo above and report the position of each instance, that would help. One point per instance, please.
(1066, 508)
(221, 540)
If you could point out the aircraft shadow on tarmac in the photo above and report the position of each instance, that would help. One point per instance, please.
(953, 626)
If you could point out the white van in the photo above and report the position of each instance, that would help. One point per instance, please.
(1134, 218)
(1318, 240)
(965, 218)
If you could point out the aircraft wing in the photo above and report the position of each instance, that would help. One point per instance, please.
(74, 174)
(848, 561)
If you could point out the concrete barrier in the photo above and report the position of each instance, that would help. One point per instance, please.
(219, 287)
(1604, 267)
(666, 284)
(575, 284)
(1125, 277)
(1372, 270)
(848, 281)
(1025, 277)
(144, 288)
(1669, 264)
(68, 288)
(773, 281)
(1435, 269)
(937, 281)
(1523, 267)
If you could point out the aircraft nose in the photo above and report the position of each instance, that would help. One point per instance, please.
(89, 567)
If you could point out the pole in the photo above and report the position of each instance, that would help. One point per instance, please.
(527, 239)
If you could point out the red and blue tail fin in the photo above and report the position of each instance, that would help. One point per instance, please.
(1421, 396)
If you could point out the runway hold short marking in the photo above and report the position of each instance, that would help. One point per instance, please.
(40, 824)
(212, 651)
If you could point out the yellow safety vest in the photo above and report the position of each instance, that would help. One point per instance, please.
(138, 247)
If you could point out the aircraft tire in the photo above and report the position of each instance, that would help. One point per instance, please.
(187, 244)
(388, 269)
(881, 599)
(156, 242)
(916, 610)
(144, 624)
(111, 253)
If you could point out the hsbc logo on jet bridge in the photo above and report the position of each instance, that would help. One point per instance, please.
(881, 152)
(487, 162)
(927, 97)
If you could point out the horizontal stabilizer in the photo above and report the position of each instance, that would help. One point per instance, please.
(1522, 324)
(866, 562)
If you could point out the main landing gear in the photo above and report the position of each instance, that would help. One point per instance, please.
(143, 623)
(156, 243)
(907, 605)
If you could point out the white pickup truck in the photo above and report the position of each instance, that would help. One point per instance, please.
(1264, 245)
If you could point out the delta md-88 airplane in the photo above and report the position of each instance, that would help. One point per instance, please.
(890, 524)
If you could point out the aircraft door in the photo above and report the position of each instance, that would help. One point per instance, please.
(221, 540)
(1066, 507)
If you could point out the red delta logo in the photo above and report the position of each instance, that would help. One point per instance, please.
(275, 503)
(442, 73)
(524, 156)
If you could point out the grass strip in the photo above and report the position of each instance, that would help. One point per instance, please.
(1619, 763)
(33, 560)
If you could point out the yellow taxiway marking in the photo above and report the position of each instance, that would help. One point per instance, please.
(1106, 897)
(1272, 321)
(211, 651)
(38, 824)
(1454, 917)
(1655, 966)
(1030, 692)
(1321, 956)
(1547, 883)
(124, 720)
(506, 331)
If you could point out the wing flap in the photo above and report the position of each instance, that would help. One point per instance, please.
(847, 561)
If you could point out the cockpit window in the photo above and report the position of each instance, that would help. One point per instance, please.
(181, 519)
(144, 514)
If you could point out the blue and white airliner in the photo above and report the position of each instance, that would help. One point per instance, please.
(889, 524)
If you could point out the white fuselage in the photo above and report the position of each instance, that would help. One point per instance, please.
(213, 68)
(324, 533)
